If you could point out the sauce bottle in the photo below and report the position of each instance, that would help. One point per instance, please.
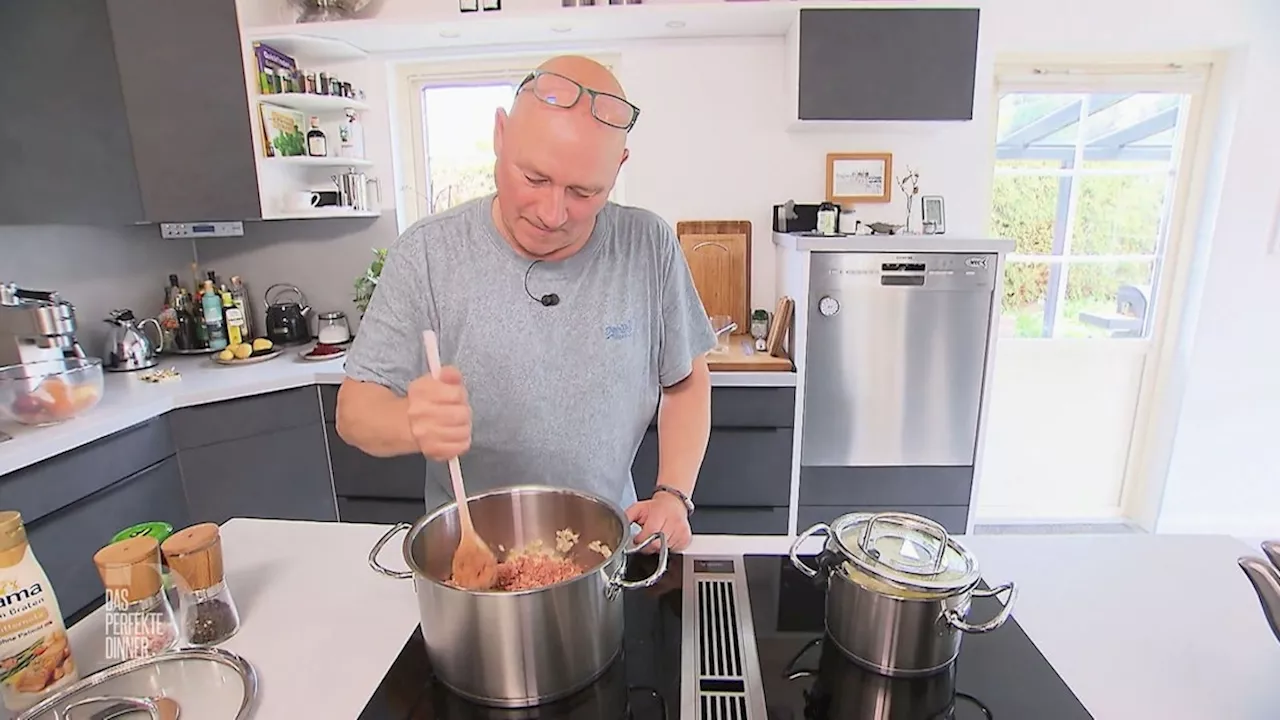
(35, 655)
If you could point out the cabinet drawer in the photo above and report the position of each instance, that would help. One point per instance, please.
(244, 417)
(47, 486)
(952, 517)
(65, 541)
(358, 474)
(379, 512)
(748, 467)
(753, 407)
(939, 485)
(281, 475)
(739, 521)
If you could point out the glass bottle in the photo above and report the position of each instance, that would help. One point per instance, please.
(207, 612)
(139, 619)
(317, 143)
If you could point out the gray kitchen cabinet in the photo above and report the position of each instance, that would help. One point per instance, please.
(109, 119)
(181, 67)
(68, 157)
(873, 64)
(744, 484)
(953, 518)
(940, 493)
(263, 456)
(65, 540)
(371, 489)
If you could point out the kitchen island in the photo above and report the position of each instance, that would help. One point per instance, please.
(1137, 626)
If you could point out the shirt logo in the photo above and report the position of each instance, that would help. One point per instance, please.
(618, 332)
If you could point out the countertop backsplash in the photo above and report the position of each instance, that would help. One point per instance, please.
(321, 257)
(96, 268)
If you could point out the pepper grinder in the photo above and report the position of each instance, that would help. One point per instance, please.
(131, 573)
(208, 611)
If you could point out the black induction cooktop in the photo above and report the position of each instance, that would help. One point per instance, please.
(1000, 675)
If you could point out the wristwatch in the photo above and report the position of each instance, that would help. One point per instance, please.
(688, 504)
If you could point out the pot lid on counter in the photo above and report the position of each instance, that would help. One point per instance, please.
(906, 551)
(199, 683)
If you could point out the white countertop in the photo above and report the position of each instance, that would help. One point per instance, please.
(128, 401)
(1139, 626)
(892, 243)
(319, 625)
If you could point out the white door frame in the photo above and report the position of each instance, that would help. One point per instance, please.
(1163, 378)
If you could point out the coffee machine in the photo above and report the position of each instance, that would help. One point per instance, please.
(36, 325)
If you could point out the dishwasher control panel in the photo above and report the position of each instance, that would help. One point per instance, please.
(930, 271)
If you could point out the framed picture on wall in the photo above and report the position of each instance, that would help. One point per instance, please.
(859, 177)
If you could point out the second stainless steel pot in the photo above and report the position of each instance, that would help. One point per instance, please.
(898, 591)
(530, 647)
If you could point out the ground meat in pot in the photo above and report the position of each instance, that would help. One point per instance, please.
(527, 572)
(534, 567)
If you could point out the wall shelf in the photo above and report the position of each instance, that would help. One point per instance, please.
(322, 214)
(309, 103)
(315, 49)
(309, 161)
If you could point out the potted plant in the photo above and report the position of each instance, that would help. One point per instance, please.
(368, 282)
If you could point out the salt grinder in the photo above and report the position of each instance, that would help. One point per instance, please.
(131, 573)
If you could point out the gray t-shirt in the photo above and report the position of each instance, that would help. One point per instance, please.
(560, 395)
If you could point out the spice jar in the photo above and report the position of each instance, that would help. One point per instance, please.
(157, 529)
(207, 610)
(139, 619)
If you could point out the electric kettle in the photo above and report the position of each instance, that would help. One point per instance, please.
(127, 346)
(287, 320)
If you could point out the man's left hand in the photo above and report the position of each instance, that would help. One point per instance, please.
(663, 512)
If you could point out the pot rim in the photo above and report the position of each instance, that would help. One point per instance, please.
(407, 544)
(882, 572)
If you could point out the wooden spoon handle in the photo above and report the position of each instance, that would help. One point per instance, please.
(432, 346)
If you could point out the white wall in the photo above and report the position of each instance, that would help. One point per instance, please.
(1224, 475)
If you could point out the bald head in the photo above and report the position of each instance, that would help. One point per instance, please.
(556, 165)
(532, 117)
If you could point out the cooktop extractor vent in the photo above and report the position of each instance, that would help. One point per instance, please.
(718, 649)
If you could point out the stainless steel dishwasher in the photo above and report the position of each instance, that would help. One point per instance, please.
(896, 349)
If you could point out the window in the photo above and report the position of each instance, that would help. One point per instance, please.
(1084, 184)
(458, 141)
(445, 130)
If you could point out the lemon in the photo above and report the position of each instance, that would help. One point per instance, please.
(226, 355)
(242, 351)
(262, 344)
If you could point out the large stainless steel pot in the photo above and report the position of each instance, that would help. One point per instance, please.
(530, 647)
(898, 591)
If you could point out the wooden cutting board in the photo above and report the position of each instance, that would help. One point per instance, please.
(742, 356)
(719, 257)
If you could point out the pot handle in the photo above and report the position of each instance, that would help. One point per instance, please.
(617, 583)
(123, 706)
(955, 620)
(795, 548)
(377, 548)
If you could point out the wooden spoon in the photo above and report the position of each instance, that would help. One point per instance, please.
(474, 565)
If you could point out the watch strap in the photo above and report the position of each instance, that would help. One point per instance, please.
(688, 504)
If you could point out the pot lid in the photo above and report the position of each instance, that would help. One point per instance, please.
(905, 550)
(199, 683)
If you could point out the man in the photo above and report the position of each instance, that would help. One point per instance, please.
(562, 320)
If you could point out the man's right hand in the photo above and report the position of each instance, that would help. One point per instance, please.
(439, 415)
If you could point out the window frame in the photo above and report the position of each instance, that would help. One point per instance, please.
(413, 181)
(1187, 79)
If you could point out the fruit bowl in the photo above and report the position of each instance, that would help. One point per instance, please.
(50, 392)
